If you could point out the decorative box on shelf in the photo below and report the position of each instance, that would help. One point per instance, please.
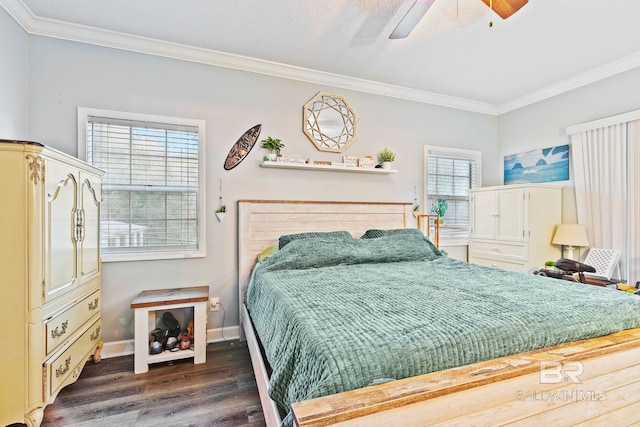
(350, 160)
(319, 162)
(367, 162)
(290, 159)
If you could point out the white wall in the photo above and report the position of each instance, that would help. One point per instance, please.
(14, 43)
(544, 124)
(64, 75)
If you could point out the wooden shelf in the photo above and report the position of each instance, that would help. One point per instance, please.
(167, 355)
(330, 168)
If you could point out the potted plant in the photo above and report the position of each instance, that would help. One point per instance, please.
(439, 207)
(273, 145)
(220, 212)
(386, 157)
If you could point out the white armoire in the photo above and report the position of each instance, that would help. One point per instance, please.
(511, 226)
(50, 273)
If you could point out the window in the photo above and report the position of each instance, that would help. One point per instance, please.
(449, 174)
(153, 188)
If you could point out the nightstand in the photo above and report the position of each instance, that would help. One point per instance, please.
(145, 307)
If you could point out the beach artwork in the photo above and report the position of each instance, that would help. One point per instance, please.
(545, 165)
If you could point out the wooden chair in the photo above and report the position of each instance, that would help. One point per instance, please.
(428, 224)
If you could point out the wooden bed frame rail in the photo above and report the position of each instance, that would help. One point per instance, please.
(591, 381)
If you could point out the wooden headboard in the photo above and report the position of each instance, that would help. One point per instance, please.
(261, 222)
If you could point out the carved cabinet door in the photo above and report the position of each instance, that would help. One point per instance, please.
(60, 228)
(89, 218)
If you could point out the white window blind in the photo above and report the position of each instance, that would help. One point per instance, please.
(449, 175)
(151, 189)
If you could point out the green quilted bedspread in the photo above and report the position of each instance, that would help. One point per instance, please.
(340, 315)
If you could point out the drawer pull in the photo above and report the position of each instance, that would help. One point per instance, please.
(95, 334)
(93, 304)
(55, 334)
(63, 370)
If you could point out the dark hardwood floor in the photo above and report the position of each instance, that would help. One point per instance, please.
(221, 393)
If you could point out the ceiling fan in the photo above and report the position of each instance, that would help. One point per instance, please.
(504, 9)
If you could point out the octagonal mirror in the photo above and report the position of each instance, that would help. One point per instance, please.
(329, 122)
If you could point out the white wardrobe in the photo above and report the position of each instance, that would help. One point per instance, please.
(50, 275)
(511, 226)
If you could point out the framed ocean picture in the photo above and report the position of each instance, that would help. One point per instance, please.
(545, 165)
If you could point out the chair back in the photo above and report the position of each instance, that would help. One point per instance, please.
(605, 261)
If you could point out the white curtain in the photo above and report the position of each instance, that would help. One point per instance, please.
(607, 178)
(633, 249)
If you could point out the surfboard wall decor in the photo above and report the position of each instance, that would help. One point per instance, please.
(242, 147)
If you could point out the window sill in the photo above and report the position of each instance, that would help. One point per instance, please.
(150, 256)
(453, 242)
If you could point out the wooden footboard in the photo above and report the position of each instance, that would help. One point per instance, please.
(595, 381)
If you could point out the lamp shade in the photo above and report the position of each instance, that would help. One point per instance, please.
(571, 235)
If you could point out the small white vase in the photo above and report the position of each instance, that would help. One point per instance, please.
(386, 165)
(220, 216)
(272, 157)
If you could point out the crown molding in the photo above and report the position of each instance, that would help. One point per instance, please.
(600, 73)
(84, 34)
(35, 25)
(19, 12)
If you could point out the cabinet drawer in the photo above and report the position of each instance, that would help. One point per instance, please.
(518, 267)
(498, 250)
(61, 327)
(71, 361)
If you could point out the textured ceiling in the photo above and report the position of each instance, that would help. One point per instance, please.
(452, 51)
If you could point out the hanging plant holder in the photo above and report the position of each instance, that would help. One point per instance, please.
(222, 208)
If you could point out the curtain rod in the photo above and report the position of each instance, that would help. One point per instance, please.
(601, 123)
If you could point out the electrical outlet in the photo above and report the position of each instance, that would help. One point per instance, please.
(214, 304)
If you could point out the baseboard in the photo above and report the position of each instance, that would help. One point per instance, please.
(125, 347)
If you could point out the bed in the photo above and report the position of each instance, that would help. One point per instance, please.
(488, 381)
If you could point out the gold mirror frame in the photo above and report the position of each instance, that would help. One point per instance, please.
(329, 122)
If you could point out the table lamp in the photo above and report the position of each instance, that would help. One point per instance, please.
(570, 235)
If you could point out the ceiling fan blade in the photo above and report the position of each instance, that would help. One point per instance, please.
(505, 8)
(411, 19)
